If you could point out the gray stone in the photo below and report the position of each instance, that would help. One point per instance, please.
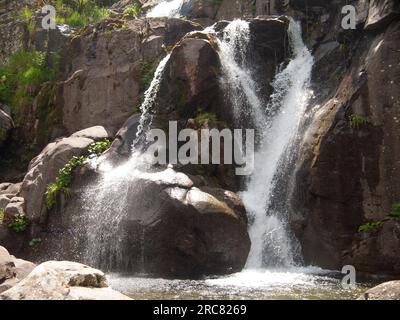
(12, 270)
(385, 291)
(63, 280)
(44, 169)
(15, 206)
(381, 13)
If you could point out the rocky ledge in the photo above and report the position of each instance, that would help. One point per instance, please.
(52, 280)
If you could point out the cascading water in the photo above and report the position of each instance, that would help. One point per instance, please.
(105, 204)
(237, 79)
(171, 8)
(272, 244)
(278, 124)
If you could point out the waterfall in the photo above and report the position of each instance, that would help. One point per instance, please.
(171, 8)
(105, 205)
(237, 79)
(272, 244)
(276, 124)
(149, 99)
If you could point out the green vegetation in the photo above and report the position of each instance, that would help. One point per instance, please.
(35, 242)
(80, 13)
(146, 74)
(63, 180)
(2, 214)
(217, 2)
(26, 16)
(181, 99)
(19, 223)
(206, 116)
(357, 121)
(133, 11)
(65, 176)
(3, 135)
(393, 215)
(22, 77)
(253, 9)
(99, 147)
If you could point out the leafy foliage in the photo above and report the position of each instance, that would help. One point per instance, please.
(35, 242)
(206, 116)
(133, 10)
(253, 9)
(2, 214)
(65, 174)
(146, 74)
(99, 147)
(21, 78)
(357, 121)
(19, 223)
(80, 13)
(393, 215)
(63, 180)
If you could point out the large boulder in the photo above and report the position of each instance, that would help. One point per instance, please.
(385, 291)
(158, 223)
(44, 169)
(12, 270)
(63, 280)
(381, 13)
(339, 188)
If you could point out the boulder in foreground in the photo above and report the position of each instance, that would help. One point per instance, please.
(385, 291)
(63, 280)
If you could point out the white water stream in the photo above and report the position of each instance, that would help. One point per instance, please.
(272, 244)
(170, 8)
(273, 249)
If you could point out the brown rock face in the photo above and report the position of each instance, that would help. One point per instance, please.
(381, 13)
(103, 84)
(349, 171)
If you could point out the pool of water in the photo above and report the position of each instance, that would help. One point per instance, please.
(300, 283)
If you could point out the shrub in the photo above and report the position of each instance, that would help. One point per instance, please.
(146, 74)
(253, 9)
(206, 116)
(80, 13)
(63, 180)
(22, 77)
(99, 147)
(19, 223)
(2, 214)
(357, 121)
(133, 10)
(393, 215)
(65, 175)
(35, 242)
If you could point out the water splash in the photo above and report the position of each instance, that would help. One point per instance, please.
(150, 97)
(269, 233)
(171, 8)
(105, 205)
(237, 79)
